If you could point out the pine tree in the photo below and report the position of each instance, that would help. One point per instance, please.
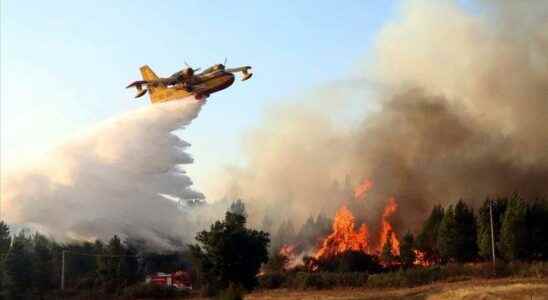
(41, 263)
(238, 207)
(427, 240)
(537, 224)
(407, 253)
(109, 263)
(513, 234)
(465, 222)
(447, 236)
(19, 269)
(131, 263)
(5, 243)
(115, 262)
(285, 235)
(5, 239)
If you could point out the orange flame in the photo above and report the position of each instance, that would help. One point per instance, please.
(344, 237)
(386, 228)
(287, 250)
(420, 259)
(363, 188)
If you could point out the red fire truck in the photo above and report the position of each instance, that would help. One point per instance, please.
(178, 280)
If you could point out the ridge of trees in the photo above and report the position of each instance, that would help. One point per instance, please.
(229, 253)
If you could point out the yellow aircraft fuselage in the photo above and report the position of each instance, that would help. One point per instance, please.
(208, 84)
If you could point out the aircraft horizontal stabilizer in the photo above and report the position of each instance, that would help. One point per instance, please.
(247, 76)
(141, 93)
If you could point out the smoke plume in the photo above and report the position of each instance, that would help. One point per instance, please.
(462, 113)
(112, 179)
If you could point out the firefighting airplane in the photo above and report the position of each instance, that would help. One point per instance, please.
(185, 82)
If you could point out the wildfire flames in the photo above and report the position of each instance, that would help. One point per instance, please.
(287, 251)
(420, 259)
(386, 228)
(345, 237)
(362, 189)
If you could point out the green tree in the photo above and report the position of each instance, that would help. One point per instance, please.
(276, 263)
(407, 250)
(513, 234)
(19, 269)
(230, 253)
(5, 239)
(427, 239)
(131, 263)
(109, 263)
(484, 226)
(238, 207)
(285, 235)
(465, 222)
(5, 243)
(447, 235)
(537, 224)
(41, 264)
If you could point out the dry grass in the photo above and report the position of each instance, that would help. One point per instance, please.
(474, 289)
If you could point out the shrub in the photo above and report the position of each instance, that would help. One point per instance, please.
(323, 280)
(310, 280)
(272, 280)
(405, 278)
(539, 269)
(146, 291)
(521, 269)
(233, 292)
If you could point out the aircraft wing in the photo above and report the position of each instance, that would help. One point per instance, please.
(245, 72)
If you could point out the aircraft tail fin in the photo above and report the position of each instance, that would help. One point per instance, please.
(149, 75)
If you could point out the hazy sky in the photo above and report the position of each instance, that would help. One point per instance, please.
(65, 64)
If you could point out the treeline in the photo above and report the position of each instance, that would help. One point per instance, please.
(31, 265)
(457, 234)
(228, 256)
(225, 260)
(448, 239)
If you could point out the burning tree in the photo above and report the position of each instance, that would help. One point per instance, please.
(407, 250)
(388, 255)
(346, 237)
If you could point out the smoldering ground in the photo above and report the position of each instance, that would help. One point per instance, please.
(111, 180)
(462, 114)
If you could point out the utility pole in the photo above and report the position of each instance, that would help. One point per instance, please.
(492, 230)
(63, 271)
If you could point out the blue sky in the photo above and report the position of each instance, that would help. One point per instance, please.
(64, 64)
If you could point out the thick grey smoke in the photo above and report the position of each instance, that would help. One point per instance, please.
(111, 180)
(463, 113)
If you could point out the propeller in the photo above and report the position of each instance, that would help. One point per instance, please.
(194, 70)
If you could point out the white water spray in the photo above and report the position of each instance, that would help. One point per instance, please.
(111, 180)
